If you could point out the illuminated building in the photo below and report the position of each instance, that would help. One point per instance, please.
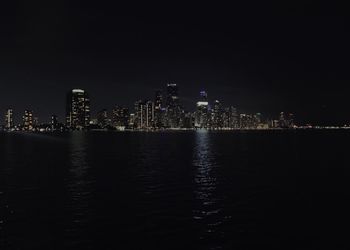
(149, 114)
(284, 122)
(275, 124)
(187, 120)
(226, 118)
(120, 117)
(202, 113)
(144, 115)
(257, 120)
(132, 120)
(9, 119)
(158, 114)
(35, 122)
(28, 120)
(246, 121)
(233, 118)
(139, 114)
(217, 121)
(54, 123)
(102, 118)
(230, 118)
(290, 121)
(77, 109)
(173, 108)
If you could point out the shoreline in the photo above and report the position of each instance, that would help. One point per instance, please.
(180, 130)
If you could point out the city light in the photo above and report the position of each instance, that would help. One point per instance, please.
(164, 112)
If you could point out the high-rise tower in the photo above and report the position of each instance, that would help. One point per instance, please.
(158, 103)
(28, 120)
(120, 117)
(173, 109)
(217, 121)
(202, 112)
(9, 119)
(78, 109)
(102, 118)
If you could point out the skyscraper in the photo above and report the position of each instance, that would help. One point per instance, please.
(226, 118)
(28, 120)
(144, 115)
(54, 123)
(257, 120)
(282, 121)
(290, 120)
(120, 117)
(173, 108)
(149, 114)
(158, 99)
(35, 122)
(139, 107)
(9, 119)
(78, 109)
(233, 118)
(102, 118)
(217, 121)
(132, 122)
(203, 96)
(201, 117)
(187, 120)
(158, 103)
(246, 121)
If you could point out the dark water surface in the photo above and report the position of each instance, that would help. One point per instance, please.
(175, 190)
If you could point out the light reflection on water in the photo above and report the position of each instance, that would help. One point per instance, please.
(208, 209)
(79, 185)
(6, 171)
(93, 190)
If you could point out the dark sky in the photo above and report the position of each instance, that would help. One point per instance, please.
(259, 57)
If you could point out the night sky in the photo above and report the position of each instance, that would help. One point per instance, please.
(258, 57)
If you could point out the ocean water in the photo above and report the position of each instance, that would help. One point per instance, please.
(175, 190)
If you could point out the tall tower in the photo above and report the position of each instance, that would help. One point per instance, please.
(158, 103)
(9, 119)
(217, 115)
(201, 118)
(173, 109)
(233, 118)
(54, 122)
(120, 117)
(203, 96)
(139, 114)
(78, 109)
(28, 120)
(149, 114)
(282, 120)
(158, 99)
(102, 118)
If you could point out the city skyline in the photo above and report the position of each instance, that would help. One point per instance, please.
(164, 110)
(167, 99)
(189, 104)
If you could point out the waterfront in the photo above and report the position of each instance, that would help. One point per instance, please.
(175, 190)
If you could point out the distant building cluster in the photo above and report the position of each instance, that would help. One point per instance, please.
(164, 111)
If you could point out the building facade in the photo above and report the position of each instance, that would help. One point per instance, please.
(202, 113)
(158, 111)
(217, 115)
(102, 118)
(28, 120)
(120, 117)
(173, 108)
(9, 119)
(78, 110)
